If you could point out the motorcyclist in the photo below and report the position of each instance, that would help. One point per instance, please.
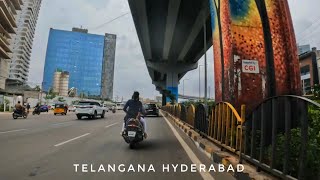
(133, 108)
(19, 108)
(28, 107)
(37, 107)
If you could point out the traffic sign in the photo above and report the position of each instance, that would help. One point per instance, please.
(250, 66)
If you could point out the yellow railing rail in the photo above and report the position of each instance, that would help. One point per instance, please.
(191, 112)
(225, 124)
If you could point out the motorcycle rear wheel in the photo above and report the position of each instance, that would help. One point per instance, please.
(132, 145)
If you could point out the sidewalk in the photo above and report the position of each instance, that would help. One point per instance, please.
(5, 113)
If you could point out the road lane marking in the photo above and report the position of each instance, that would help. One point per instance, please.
(111, 125)
(190, 153)
(13, 131)
(57, 124)
(71, 140)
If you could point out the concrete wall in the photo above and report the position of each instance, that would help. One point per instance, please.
(64, 84)
(108, 66)
(3, 73)
(61, 83)
(26, 22)
(56, 82)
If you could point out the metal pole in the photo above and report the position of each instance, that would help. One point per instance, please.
(4, 103)
(183, 87)
(199, 83)
(205, 61)
(183, 84)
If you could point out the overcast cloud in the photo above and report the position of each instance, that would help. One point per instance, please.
(130, 69)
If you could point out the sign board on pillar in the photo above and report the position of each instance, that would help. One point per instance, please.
(250, 66)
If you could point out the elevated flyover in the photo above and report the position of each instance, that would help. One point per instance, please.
(174, 35)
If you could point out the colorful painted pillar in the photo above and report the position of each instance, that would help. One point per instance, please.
(172, 85)
(255, 53)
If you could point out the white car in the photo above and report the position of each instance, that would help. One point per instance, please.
(106, 108)
(120, 106)
(72, 108)
(90, 109)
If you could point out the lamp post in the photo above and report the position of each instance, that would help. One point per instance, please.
(200, 81)
(205, 61)
(183, 84)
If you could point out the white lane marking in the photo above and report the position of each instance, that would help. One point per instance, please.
(57, 124)
(111, 125)
(13, 131)
(190, 153)
(71, 140)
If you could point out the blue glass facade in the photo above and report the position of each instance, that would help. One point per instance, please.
(81, 54)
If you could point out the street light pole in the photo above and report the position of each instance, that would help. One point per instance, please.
(205, 61)
(200, 82)
(183, 85)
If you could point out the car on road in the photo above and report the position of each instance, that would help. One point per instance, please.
(106, 107)
(51, 107)
(44, 108)
(120, 106)
(151, 109)
(90, 109)
(72, 108)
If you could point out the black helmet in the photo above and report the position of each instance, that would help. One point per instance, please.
(135, 95)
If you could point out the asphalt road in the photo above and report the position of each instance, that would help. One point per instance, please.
(48, 147)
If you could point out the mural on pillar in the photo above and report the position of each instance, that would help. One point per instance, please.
(238, 36)
(173, 94)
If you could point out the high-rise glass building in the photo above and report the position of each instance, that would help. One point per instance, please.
(79, 53)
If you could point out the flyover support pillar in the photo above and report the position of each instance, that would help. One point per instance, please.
(172, 83)
(164, 100)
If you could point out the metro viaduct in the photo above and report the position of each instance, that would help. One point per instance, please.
(174, 35)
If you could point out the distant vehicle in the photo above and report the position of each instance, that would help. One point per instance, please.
(51, 107)
(16, 114)
(36, 111)
(151, 109)
(90, 109)
(113, 109)
(60, 108)
(106, 107)
(72, 108)
(120, 106)
(44, 108)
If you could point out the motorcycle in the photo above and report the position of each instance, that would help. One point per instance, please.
(16, 114)
(134, 132)
(36, 111)
(113, 109)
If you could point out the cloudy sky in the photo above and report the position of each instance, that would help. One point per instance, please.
(130, 69)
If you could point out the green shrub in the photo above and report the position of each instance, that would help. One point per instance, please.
(2, 108)
(313, 148)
